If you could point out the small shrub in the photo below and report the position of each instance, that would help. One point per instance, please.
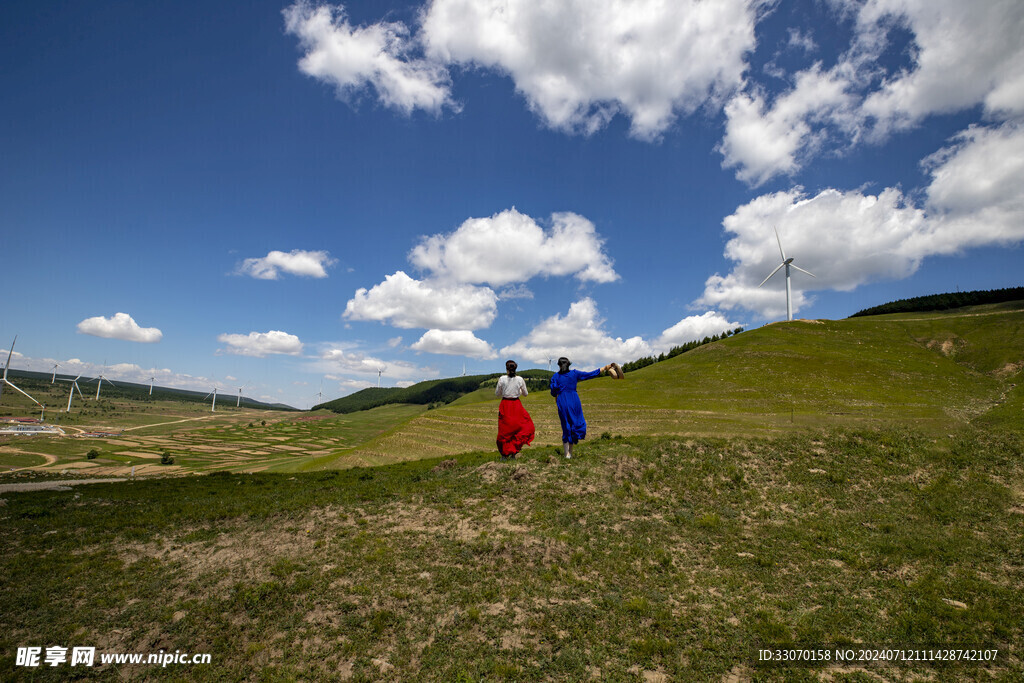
(167, 458)
(93, 454)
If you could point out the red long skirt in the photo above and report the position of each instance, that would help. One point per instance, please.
(515, 428)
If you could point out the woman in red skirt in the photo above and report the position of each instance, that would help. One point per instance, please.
(515, 428)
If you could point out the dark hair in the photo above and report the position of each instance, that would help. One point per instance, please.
(510, 368)
(563, 364)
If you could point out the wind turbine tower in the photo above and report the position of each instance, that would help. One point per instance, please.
(99, 383)
(380, 371)
(213, 406)
(54, 376)
(788, 263)
(151, 380)
(71, 394)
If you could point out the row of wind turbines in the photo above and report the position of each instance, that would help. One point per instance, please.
(100, 379)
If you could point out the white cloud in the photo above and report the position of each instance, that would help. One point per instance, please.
(976, 197)
(260, 344)
(579, 63)
(408, 303)
(454, 343)
(693, 328)
(961, 55)
(349, 386)
(378, 56)
(515, 292)
(966, 53)
(339, 361)
(121, 326)
(295, 262)
(849, 238)
(765, 142)
(510, 247)
(580, 336)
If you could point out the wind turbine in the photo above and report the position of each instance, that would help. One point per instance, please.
(380, 371)
(12, 385)
(239, 401)
(213, 406)
(54, 377)
(74, 387)
(99, 384)
(788, 262)
(151, 380)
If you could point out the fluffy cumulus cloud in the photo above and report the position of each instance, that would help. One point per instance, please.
(295, 262)
(961, 55)
(344, 363)
(120, 326)
(380, 56)
(406, 302)
(693, 328)
(646, 59)
(649, 60)
(846, 239)
(764, 142)
(454, 343)
(967, 53)
(261, 344)
(510, 247)
(578, 335)
(976, 196)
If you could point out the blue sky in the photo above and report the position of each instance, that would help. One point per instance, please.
(281, 195)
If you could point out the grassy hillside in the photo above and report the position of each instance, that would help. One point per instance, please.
(840, 483)
(640, 560)
(934, 371)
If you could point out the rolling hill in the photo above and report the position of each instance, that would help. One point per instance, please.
(933, 371)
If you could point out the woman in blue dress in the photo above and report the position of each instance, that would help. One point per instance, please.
(570, 410)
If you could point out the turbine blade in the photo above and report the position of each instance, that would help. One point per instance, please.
(10, 353)
(780, 243)
(12, 386)
(777, 268)
(803, 271)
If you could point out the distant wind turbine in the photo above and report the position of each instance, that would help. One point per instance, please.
(99, 384)
(54, 377)
(239, 401)
(380, 371)
(788, 263)
(213, 406)
(11, 384)
(151, 380)
(74, 387)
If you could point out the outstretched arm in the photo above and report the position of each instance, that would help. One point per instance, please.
(589, 375)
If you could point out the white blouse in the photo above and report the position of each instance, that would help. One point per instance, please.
(510, 387)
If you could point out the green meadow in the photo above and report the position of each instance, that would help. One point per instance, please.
(848, 484)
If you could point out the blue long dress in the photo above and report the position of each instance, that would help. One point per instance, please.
(570, 410)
